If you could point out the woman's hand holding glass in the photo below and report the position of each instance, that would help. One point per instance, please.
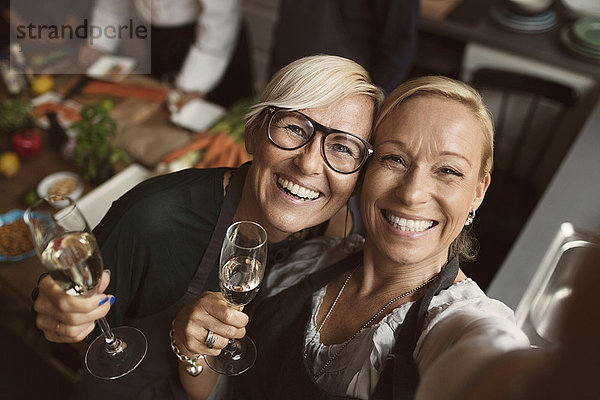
(68, 250)
(242, 267)
(209, 312)
(68, 319)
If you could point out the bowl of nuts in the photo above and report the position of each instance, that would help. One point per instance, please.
(15, 241)
(61, 184)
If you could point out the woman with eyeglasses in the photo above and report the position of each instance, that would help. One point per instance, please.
(308, 136)
(397, 319)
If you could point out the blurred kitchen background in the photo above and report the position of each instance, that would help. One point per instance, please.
(544, 56)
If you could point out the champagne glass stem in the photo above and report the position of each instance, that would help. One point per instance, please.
(232, 350)
(113, 345)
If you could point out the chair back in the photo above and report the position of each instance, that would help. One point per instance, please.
(528, 114)
(531, 127)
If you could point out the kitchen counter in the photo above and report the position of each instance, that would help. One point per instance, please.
(470, 21)
(572, 196)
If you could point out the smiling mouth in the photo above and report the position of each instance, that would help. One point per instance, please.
(408, 225)
(296, 190)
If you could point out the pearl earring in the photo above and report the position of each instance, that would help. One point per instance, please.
(470, 218)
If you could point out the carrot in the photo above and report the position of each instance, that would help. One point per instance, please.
(221, 159)
(232, 156)
(198, 144)
(124, 90)
(224, 159)
(219, 144)
(200, 164)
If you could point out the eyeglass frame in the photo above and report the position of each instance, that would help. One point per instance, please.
(326, 132)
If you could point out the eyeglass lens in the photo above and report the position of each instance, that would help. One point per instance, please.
(291, 130)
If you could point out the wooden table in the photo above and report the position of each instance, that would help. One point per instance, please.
(17, 279)
(20, 277)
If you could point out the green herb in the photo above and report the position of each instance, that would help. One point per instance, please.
(13, 114)
(94, 148)
(233, 121)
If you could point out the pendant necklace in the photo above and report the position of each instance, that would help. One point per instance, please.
(323, 368)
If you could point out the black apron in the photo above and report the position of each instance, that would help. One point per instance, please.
(278, 324)
(157, 376)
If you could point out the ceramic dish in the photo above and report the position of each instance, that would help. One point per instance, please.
(197, 115)
(61, 183)
(586, 31)
(538, 23)
(111, 68)
(576, 49)
(6, 220)
(528, 7)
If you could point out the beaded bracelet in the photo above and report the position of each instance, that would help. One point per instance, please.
(192, 368)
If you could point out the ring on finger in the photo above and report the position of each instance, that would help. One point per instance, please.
(210, 340)
(57, 327)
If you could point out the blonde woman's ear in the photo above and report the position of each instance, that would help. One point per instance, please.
(482, 188)
(249, 140)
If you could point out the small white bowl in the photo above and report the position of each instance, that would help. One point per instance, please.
(530, 7)
(52, 185)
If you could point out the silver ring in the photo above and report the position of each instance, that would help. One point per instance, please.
(210, 340)
(57, 327)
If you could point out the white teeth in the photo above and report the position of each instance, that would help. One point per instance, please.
(297, 190)
(408, 225)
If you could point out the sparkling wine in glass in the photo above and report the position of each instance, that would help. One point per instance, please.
(242, 267)
(67, 248)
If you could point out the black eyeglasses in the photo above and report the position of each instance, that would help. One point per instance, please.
(343, 152)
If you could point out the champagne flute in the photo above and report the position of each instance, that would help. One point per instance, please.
(67, 248)
(242, 267)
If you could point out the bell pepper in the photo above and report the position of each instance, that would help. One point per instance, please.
(27, 143)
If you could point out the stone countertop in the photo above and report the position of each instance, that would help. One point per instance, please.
(572, 196)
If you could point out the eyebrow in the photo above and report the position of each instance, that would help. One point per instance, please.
(445, 153)
(451, 153)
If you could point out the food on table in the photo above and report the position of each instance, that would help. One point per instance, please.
(64, 112)
(62, 187)
(42, 84)
(205, 151)
(122, 90)
(29, 197)
(27, 142)
(15, 239)
(9, 163)
(14, 114)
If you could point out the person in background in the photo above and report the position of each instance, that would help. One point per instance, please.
(374, 324)
(381, 35)
(161, 240)
(202, 41)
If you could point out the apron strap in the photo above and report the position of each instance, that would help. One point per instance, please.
(400, 372)
(213, 250)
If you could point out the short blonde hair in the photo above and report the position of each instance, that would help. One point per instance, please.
(464, 245)
(313, 82)
(453, 90)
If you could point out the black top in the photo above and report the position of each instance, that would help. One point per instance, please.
(153, 238)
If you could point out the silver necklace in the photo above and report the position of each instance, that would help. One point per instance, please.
(373, 318)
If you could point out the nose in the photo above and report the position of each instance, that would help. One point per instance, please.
(309, 158)
(412, 188)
